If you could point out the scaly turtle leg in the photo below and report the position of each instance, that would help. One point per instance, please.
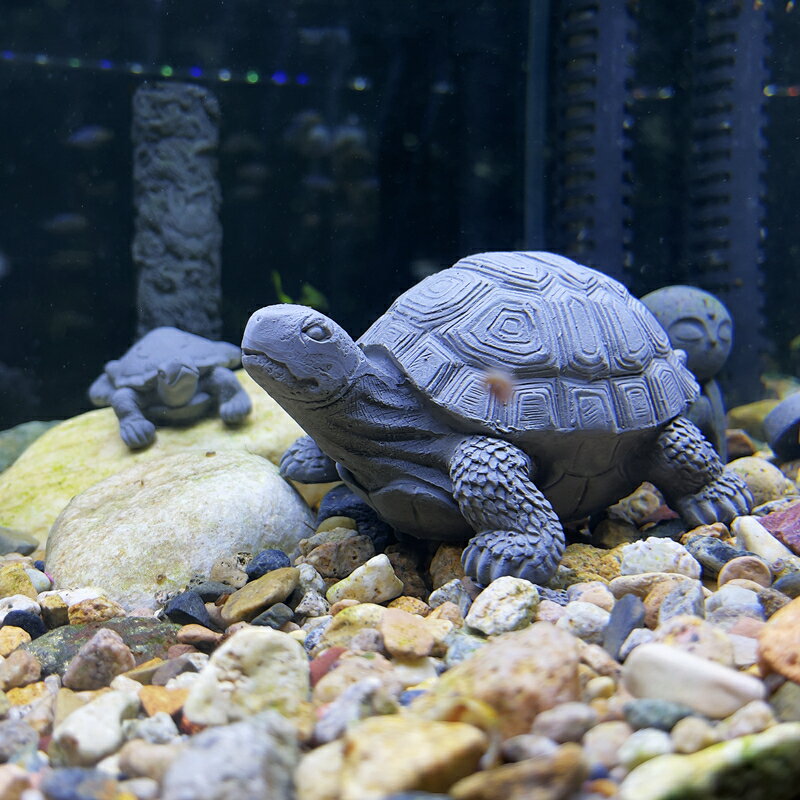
(304, 462)
(517, 531)
(689, 473)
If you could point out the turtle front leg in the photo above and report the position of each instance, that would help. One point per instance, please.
(690, 475)
(136, 431)
(304, 462)
(233, 401)
(517, 531)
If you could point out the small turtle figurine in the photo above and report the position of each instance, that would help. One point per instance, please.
(592, 406)
(170, 377)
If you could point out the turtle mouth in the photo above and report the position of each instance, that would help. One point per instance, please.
(275, 370)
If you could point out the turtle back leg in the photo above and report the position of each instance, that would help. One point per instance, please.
(517, 531)
(234, 402)
(136, 431)
(304, 462)
(690, 475)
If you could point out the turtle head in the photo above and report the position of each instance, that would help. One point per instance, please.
(177, 383)
(297, 354)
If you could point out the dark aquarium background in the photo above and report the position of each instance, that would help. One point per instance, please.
(364, 144)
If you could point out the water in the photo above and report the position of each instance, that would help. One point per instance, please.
(363, 145)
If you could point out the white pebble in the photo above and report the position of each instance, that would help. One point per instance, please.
(642, 745)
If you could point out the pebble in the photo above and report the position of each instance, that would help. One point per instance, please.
(40, 581)
(691, 734)
(274, 617)
(341, 552)
(405, 635)
(649, 712)
(636, 638)
(14, 580)
(94, 609)
(266, 561)
(143, 759)
(750, 567)
(446, 565)
(626, 615)
(198, 636)
(19, 669)
(451, 592)
(779, 642)
(226, 570)
(256, 669)
(54, 611)
(254, 758)
(697, 636)
(687, 598)
(11, 638)
(75, 783)
(520, 675)
(601, 743)
(767, 759)
(567, 722)
(643, 745)
(348, 622)
(433, 756)
(658, 555)
(752, 718)
(30, 622)
(753, 536)
(372, 582)
(596, 592)
(18, 602)
(93, 731)
(765, 481)
(312, 604)
(17, 739)
(712, 553)
(789, 585)
(188, 608)
(159, 728)
(251, 599)
(587, 621)
(506, 604)
(210, 591)
(548, 778)
(527, 745)
(667, 673)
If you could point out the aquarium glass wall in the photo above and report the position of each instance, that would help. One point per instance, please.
(352, 147)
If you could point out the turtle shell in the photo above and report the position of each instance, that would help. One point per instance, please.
(138, 368)
(580, 352)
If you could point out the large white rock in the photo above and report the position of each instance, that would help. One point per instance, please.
(151, 527)
(668, 673)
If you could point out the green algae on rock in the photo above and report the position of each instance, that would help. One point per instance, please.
(147, 638)
(763, 766)
(79, 452)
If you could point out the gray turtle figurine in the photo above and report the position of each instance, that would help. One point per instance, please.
(171, 377)
(412, 418)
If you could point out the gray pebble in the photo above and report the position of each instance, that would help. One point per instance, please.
(687, 598)
(626, 616)
(713, 554)
(648, 712)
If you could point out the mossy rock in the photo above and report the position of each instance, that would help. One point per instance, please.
(15, 440)
(147, 638)
(79, 452)
(761, 766)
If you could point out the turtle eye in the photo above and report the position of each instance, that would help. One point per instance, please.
(317, 331)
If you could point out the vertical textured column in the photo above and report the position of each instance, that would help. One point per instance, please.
(595, 53)
(725, 216)
(178, 235)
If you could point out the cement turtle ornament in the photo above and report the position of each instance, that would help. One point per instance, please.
(171, 377)
(410, 417)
